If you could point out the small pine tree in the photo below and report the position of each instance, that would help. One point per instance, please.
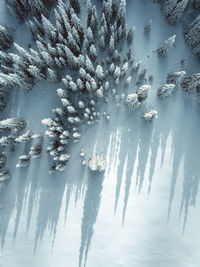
(163, 50)
(12, 124)
(165, 90)
(150, 115)
(175, 77)
(191, 84)
(6, 39)
(130, 35)
(147, 27)
(111, 45)
(53, 75)
(99, 73)
(76, 6)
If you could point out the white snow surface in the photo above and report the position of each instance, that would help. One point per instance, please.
(144, 210)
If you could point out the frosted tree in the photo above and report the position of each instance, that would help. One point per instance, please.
(117, 73)
(99, 92)
(97, 163)
(35, 151)
(73, 86)
(24, 161)
(137, 66)
(7, 141)
(3, 160)
(196, 50)
(130, 35)
(24, 137)
(192, 33)
(163, 50)
(150, 115)
(111, 45)
(132, 100)
(6, 39)
(99, 72)
(175, 77)
(128, 81)
(50, 30)
(90, 35)
(102, 42)
(173, 9)
(6, 59)
(53, 75)
(112, 68)
(89, 66)
(47, 58)
(36, 73)
(165, 90)
(192, 83)
(143, 92)
(93, 52)
(18, 10)
(5, 175)
(12, 124)
(122, 13)
(124, 69)
(62, 93)
(147, 27)
(76, 6)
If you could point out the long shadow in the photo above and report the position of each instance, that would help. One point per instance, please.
(90, 211)
(132, 147)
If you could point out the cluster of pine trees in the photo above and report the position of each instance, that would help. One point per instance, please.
(173, 11)
(93, 69)
(22, 8)
(12, 134)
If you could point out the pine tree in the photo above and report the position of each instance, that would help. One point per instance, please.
(89, 66)
(102, 42)
(24, 161)
(36, 73)
(24, 137)
(150, 115)
(191, 84)
(165, 90)
(192, 33)
(111, 45)
(18, 10)
(175, 77)
(163, 50)
(35, 151)
(53, 75)
(62, 93)
(132, 100)
(99, 72)
(12, 123)
(97, 163)
(76, 6)
(7, 141)
(173, 9)
(6, 39)
(117, 73)
(143, 92)
(6, 59)
(130, 35)
(3, 160)
(93, 52)
(5, 175)
(147, 27)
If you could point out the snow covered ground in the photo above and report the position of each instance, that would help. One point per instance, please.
(144, 211)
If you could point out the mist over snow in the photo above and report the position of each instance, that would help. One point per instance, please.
(99, 133)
